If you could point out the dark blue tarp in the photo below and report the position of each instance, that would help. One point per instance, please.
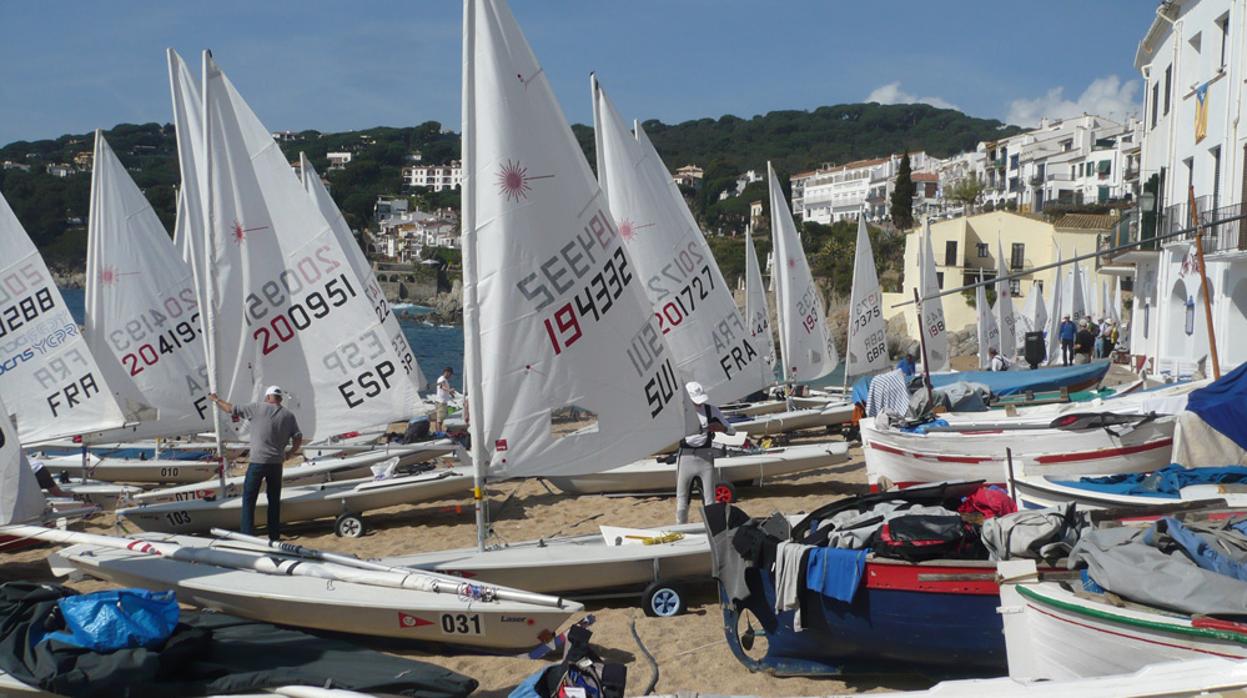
(1012, 382)
(1223, 405)
(1166, 482)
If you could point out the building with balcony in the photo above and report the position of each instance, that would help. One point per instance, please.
(843, 192)
(339, 160)
(689, 176)
(967, 246)
(435, 177)
(1193, 60)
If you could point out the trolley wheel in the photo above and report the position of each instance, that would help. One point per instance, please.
(664, 599)
(349, 526)
(724, 493)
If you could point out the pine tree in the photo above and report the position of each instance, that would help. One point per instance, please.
(903, 196)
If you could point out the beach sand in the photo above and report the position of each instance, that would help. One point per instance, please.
(690, 650)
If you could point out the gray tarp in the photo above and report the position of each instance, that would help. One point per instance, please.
(1044, 534)
(962, 396)
(1119, 560)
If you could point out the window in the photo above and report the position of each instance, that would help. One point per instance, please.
(1102, 195)
(1013, 162)
(1155, 102)
(981, 250)
(1015, 287)
(1105, 168)
(1017, 255)
(939, 277)
(1168, 85)
(950, 253)
(1224, 24)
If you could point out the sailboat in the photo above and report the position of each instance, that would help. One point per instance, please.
(310, 324)
(989, 331)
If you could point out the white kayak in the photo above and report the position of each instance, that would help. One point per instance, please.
(314, 471)
(316, 603)
(655, 475)
(614, 560)
(347, 500)
(131, 470)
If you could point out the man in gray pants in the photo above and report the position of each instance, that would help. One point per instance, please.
(272, 427)
(697, 452)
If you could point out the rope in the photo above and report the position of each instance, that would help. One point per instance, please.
(653, 663)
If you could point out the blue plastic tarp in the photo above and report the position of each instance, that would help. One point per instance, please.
(106, 621)
(835, 572)
(1013, 382)
(1200, 550)
(1165, 483)
(1223, 405)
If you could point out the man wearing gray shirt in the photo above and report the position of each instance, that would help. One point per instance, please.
(272, 426)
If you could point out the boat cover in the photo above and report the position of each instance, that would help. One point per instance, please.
(1152, 566)
(207, 654)
(1013, 382)
(1164, 483)
(1213, 430)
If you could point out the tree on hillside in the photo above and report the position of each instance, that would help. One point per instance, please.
(903, 196)
(967, 191)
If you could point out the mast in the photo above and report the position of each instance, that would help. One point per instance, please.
(1203, 282)
(207, 314)
(922, 344)
(471, 307)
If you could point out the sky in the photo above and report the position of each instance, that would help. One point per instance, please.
(71, 66)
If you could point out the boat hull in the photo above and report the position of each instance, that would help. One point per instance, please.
(651, 475)
(904, 459)
(125, 470)
(302, 503)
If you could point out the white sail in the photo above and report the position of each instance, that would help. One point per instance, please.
(20, 497)
(989, 333)
(696, 314)
(1034, 315)
(555, 315)
(1059, 311)
(188, 127)
(54, 385)
(804, 339)
(285, 305)
(867, 346)
(142, 315)
(757, 313)
(1115, 309)
(325, 204)
(1006, 321)
(1078, 295)
(932, 310)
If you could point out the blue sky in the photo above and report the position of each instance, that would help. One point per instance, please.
(72, 65)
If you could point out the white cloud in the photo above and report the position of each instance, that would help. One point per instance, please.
(892, 93)
(1108, 96)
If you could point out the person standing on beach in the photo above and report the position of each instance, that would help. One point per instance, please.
(272, 427)
(1067, 332)
(1084, 343)
(443, 397)
(697, 451)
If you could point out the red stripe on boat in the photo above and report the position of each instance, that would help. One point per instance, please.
(1105, 453)
(906, 578)
(1135, 637)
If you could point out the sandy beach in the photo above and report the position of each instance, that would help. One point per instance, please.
(690, 649)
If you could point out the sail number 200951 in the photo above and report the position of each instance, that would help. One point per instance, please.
(328, 292)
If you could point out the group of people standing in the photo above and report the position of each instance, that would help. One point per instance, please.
(1087, 340)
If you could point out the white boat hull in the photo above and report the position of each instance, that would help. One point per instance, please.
(651, 475)
(128, 470)
(583, 564)
(303, 503)
(340, 606)
(1054, 634)
(796, 420)
(902, 458)
(105, 495)
(1039, 492)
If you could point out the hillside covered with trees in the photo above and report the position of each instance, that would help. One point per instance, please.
(54, 209)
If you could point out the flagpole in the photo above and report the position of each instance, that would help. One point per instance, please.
(1203, 281)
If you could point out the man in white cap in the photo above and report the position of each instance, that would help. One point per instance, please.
(272, 427)
(697, 452)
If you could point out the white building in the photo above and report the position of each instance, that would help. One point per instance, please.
(842, 192)
(339, 160)
(1194, 61)
(742, 181)
(435, 177)
(60, 169)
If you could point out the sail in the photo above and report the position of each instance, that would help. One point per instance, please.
(989, 333)
(142, 316)
(1006, 322)
(1034, 316)
(932, 310)
(54, 385)
(1059, 311)
(693, 305)
(1115, 309)
(556, 319)
(20, 497)
(757, 313)
(867, 345)
(359, 263)
(1078, 295)
(804, 339)
(188, 127)
(285, 305)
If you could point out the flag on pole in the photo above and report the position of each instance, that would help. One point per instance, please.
(1201, 112)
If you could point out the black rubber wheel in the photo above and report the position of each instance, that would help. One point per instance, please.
(664, 599)
(724, 493)
(349, 526)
